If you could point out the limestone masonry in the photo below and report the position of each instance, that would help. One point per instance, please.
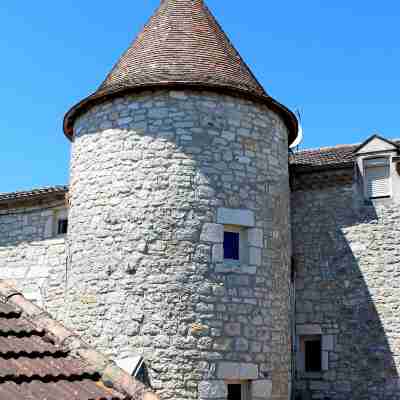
(191, 237)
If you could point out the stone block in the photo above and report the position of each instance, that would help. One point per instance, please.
(212, 390)
(308, 329)
(240, 217)
(255, 257)
(218, 253)
(213, 233)
(325, 361)
(255, 237)
(248, 371)
(261, 389)
(228, 370)
(232, 329)
(180, 95)
(241, 344)
(232, 370)
(327, 342)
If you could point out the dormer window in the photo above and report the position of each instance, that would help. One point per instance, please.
(377, 177)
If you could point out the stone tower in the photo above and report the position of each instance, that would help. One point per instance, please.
(179, 243)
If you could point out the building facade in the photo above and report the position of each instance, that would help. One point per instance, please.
(191, 236)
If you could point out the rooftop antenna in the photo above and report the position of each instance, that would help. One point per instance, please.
(295, 145)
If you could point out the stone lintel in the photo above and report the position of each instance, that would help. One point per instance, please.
(240, 217)
(308, 329)
(232, 370)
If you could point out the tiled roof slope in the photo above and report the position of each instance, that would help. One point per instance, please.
(340, 156)
(324, 158)
(40, 359)
(182, 46)
(40, 192)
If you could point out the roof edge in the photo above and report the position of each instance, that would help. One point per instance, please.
(21, 198)
(111, 375)
(285, 113)
(371, 138)
(305, 169)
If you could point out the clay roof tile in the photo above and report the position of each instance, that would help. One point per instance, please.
(182, 46)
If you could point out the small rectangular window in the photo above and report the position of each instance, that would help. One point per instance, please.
(62, 226)
(235, 392)
(377, 177)
(313, 354)
(231, 245)
(239, 391)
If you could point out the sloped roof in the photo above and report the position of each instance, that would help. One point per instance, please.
(34, 197)
(39, 192)
(340, 156)
(40, 359)
(182, 46)
(323, 158)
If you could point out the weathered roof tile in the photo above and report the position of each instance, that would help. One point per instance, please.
(35, 364)
(182, 46)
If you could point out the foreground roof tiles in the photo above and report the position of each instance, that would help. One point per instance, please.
(33, 366)
(36, 362)
(182, 46)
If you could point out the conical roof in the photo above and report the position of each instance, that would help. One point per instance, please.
(181, 46)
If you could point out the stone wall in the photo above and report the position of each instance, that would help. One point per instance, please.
(149, 174)
(32, 256)
(347, 260)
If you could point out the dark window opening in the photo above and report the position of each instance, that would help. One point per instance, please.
(142, 374)
(62, 226)
(231, 245)
(313, 361)
(235, 392)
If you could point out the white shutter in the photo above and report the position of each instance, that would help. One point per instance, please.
(378, 181)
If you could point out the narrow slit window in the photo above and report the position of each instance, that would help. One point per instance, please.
(313, 355)
(231, 246)
(62, 227)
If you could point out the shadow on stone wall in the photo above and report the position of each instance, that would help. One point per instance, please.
(346, 285)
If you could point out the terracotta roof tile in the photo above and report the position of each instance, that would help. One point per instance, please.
(21, 197)
(340, 156)
(37, 389)
(36, 363)
(182, 46)
(326, 157)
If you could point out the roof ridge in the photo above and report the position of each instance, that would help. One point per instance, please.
(325, 148)
(111, 375)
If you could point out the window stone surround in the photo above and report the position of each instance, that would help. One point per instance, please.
(251, 237)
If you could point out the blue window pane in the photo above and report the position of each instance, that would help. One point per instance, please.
(231, 245)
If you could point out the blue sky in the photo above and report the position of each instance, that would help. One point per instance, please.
(337, 61)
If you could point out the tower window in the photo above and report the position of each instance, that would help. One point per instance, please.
(62, 227)
(231, 245)
(313, 354)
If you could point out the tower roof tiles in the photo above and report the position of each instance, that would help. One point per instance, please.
(182, 46)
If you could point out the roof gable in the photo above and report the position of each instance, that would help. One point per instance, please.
(376, 143)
